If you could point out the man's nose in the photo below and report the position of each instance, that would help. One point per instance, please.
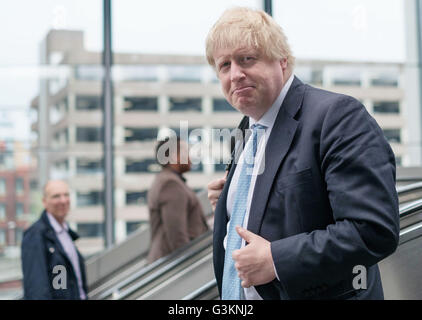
(236, 72)
(64, 198)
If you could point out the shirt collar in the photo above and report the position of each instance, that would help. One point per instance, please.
(268, 118)
(58, 228)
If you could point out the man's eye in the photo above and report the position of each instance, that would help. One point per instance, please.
(247, 59)
(224, 65)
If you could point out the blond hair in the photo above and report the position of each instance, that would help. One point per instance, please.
(248, 28)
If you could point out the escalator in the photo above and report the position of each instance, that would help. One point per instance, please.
(155, 275)
(400, 280)
(113, 270)
(193, 276)
(409, 192)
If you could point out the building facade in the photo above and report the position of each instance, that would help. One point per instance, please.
(15, 202)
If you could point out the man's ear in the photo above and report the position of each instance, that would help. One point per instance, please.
(283, 63)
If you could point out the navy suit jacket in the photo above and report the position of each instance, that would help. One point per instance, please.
(41, 252)
(326, 200)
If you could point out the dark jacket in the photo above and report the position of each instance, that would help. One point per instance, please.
(41, 252)
(326, 200)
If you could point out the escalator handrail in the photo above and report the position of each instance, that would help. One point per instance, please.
(402, 190)
(410, 208)
(197, 293)
(160, 272)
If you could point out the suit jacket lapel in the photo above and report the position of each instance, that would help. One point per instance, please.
(276, 149)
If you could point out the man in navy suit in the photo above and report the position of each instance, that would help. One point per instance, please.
(321, 202)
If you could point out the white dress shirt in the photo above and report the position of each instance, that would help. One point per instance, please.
(266, 120)
(69, 247)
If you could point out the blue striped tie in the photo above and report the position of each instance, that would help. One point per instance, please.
(232, 289)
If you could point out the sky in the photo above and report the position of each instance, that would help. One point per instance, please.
(365, 30)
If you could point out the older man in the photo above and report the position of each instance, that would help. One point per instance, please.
(318, 198)
(52, 266)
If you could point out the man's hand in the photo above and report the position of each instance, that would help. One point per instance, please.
(214, 189)
(254, 262)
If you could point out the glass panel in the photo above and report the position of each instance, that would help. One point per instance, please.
(159, 84)
(51, 56)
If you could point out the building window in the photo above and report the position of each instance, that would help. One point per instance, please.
(2, 186)
(221, 105)
(398, 161)
(2, 211)
(18, 235)
(346, 82)
(90, 230)
(88, 103)
(88, 134)
(220, 167)
(61, 137)
(87, 166)
(184, 73)
(385, 80)
(392, 135)
(386, 107)
(140, 104)
(19, 209)
(132, 226)
(309, 75)
(194, 134)
(2, 237)
(89, 72)
(61, 168)
(19, 186)
(345, 75)
(136, 197)
(91, 198)
(140, 134)
(33, 185)
(185, 104)
(136, 73)
(142, 166)
(197, 167)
